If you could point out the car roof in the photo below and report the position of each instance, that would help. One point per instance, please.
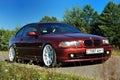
(46, 23)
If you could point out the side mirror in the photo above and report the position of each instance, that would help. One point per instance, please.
(32, 33)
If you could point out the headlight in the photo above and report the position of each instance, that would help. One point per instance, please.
(105, 41)
(69, 43)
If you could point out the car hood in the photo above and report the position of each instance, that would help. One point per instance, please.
(73, 36)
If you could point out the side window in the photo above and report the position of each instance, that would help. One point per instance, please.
(28, 29)
(45, 29)
(19, 33)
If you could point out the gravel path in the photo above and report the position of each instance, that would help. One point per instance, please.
(3, 57)
(110, 70)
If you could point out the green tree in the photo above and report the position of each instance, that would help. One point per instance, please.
(4, 38)
(82, 19)
(109, 23)
(87, 14)
(89, 17)
(74, 18)
(49, 19)
(94, 25)
(5, 35)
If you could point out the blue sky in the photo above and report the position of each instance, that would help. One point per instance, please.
(21, 12)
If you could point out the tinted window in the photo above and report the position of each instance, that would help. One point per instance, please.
(57, 28)
(19, 33)
(29, 28)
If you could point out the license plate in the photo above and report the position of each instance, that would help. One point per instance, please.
(94, 51)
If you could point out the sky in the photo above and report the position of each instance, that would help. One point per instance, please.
(21, 12)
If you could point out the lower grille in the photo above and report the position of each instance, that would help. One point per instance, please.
(84, 56)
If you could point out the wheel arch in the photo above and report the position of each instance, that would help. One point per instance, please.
(12, 45)
(50, 43)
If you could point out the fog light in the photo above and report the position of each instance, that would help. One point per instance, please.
(108, 52)
(71, 55)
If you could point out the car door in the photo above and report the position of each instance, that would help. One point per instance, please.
(29, 43)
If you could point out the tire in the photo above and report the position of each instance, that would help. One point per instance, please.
(12, 54)
(49, 56)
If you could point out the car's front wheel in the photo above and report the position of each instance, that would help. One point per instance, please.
(49, 56)
(12, 55)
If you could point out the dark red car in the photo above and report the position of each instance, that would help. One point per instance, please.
(51, 43)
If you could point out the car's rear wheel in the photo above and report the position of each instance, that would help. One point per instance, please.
(12, 54)
(49, 56)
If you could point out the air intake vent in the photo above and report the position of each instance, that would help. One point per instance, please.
(96, 42)
(88, 42)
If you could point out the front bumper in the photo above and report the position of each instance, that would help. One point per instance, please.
(64, 55)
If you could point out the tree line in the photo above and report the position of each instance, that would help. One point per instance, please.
(5, 35)
(86, 19)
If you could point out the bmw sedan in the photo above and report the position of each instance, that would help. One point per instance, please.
(53, 43)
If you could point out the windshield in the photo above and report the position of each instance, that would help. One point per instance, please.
(48, 28)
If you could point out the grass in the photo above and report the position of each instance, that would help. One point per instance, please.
(15, 71)
(116, 52)
(3, 52)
